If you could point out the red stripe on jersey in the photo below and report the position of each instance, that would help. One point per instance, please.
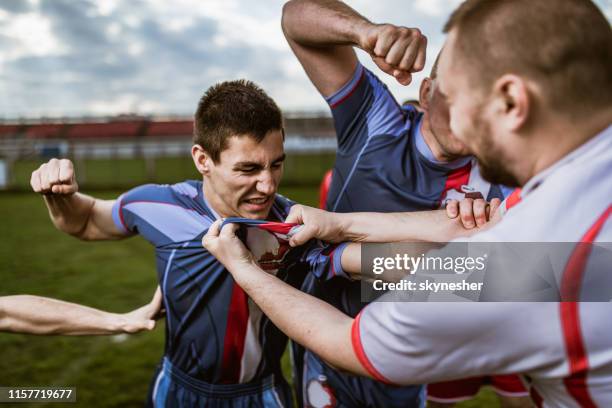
(324, 189)
(457, 178)
(572, 275)
(278, 227)
(513, 199)
(235, 332)
(121, 217)
(576, 382)
(361, 355)
(345, 97)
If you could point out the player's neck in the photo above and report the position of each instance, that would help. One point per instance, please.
(549, 148)
(214, 201)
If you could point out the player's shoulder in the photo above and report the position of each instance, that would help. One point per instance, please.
(163, 192)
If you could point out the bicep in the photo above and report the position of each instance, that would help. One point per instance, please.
(338, 349)
(100, 225)
(328, 68)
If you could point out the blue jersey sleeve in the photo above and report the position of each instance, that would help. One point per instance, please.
(325, 260)
(154, 212)
(364, 108)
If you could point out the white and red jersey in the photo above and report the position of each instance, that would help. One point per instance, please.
(563, 350)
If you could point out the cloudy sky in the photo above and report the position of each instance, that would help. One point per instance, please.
(81, 57)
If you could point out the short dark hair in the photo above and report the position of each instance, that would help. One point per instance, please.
(565, 46)
(234, 108)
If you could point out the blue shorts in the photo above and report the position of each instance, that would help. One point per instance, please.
(173, 388)
(322, 386)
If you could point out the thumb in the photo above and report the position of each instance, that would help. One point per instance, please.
(214, 229)
(304, 234)
(64, 189)
(295, 215)
(403, 77)
(380, 63)
(229, 230)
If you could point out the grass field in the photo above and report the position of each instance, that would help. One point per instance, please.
(116, 276)
(300, 169)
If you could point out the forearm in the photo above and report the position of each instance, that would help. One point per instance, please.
(428, 226)
(321, 23)
(70, 213)
(39, 315)
(311, 322)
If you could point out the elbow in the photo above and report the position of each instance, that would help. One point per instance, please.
(287, 19)
(70, 229)
(81, 232)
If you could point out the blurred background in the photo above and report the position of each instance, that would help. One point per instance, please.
(113, 85)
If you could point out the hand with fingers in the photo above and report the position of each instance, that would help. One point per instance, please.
(224, 245)
(144, 318)
(55, 177)
(398, 51)
(319, 224)
(474, 212)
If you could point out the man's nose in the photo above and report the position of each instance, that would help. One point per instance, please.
(266, 183)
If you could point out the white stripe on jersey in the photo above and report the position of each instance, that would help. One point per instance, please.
(252, 354)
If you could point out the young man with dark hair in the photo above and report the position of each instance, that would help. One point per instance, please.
(220, 349)
(556, 144)
(389, 158)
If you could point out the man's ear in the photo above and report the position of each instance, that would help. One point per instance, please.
(201, 159)
(425, 93)
(512, 101)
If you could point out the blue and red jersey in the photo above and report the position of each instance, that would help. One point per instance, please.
(384, 165)
(214, 332)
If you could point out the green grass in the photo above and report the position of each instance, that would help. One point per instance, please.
(116, 276)
(304, 170)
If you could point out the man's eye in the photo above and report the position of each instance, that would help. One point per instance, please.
(247, 170)
(277, 165)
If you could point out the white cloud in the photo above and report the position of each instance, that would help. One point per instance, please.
(157, 56)
(32, 36)
(436, 8)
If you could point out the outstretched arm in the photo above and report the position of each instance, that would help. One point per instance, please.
(41, 315)
(77, 214)
(322, 34)
(459, 220)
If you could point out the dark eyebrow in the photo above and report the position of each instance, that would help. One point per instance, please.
(281, 158)
(256, 164)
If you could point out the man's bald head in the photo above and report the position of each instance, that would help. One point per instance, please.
(563, 46)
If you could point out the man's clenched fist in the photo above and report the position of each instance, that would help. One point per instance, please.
(398, 51)
(54, 177)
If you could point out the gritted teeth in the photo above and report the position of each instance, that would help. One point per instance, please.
(257, 200)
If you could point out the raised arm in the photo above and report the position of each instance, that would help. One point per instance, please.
(41, 315)
(322, 34)
(77, 214)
